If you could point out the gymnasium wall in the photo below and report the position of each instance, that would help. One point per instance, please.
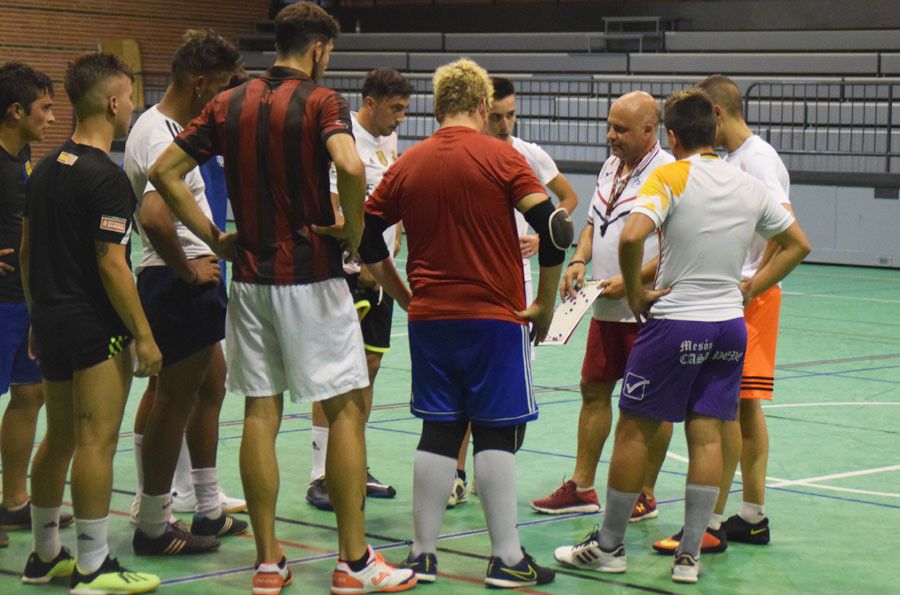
(47, 34)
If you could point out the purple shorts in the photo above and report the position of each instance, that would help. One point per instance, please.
(682, 367)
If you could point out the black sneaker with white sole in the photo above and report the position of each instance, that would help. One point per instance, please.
(376, 489)
(525, 573)
(424, 565)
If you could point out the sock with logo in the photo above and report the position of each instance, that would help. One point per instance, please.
(699, 502)
(182, 482)
(206, 488)
(618, 511)
(45, 532)
(319, 447)
(432, 482)
(155, 513)
(495, 473)
(92, 546)
(752, 513)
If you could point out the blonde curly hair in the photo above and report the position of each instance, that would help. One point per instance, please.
(460, 87)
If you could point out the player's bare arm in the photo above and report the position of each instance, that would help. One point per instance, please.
(167, 175)
(6, 268)
(373, 252)
(793, 246)
(772, 246)
(565, 195)
(538, 211)
(573, 276)
(351, 183)
(631, 254)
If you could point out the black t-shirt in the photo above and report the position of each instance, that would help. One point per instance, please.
(13, 177)
(75, 197)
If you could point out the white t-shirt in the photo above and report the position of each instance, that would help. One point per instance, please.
(544, 170)
(149, 137)
(377, 153)
(608, 226)
(757, 158)
(707, 212)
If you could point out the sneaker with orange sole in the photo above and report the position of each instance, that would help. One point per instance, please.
(567, 499)
(271, 578)
(644, 508)
(713, 542)
(377, 577)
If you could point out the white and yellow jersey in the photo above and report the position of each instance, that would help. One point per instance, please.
(706, 212)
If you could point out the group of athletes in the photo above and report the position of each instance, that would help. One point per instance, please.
(688, 248)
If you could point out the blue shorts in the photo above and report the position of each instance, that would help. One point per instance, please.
(476, 370)
(680, 367)
(15, 365)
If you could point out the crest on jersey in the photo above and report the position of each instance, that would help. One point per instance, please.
(113, 224)
(381, 158)
(67, 158)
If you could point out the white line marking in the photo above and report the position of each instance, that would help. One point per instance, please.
(807, 480)
(835, 404)
(403, 334)
(852, 490)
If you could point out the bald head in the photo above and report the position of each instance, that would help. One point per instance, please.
(632, 120)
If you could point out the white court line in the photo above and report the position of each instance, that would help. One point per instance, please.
(403, 334)
(852, 490)
(841, 297)
(834, 404)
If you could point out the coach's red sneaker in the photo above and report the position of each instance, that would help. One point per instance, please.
(644, 508)
(567, 499)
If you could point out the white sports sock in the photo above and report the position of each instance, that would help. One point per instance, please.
(155, 512)
(433, 477)
(45, 532)
(206, 487)
(319, 447)
(495, 472)
(92, 547)
(182, 483)
(715, 521)
(583, 490)
(139, 462)
(752, 513)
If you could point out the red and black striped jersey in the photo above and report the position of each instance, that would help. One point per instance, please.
(272, 133)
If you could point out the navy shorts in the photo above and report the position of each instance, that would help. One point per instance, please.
(376, 324)
(476, 370)
(680, 367)
(15, 365)
(184, 318)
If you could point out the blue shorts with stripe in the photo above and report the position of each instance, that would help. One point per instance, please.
(476, 370)
(15, 365)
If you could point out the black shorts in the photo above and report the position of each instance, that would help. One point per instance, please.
(68, 341)
(184, 318)
(376, 324)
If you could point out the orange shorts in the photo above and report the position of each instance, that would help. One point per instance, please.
(761, 316)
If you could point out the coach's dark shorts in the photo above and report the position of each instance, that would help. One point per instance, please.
(376, 324)
(68, 341)
(184, 318)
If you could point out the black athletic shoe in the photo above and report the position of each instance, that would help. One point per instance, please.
(425, 567)
(317, 494)
(376, 489)
(20, 520)
(173, 542)
(737, 529)
(223, 526)
(38, 572)
(524, 574)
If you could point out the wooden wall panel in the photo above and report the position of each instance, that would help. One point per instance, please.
(48, 34)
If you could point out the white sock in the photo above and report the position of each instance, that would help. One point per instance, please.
(139, 462)
(92, 546)
(206, 487)
(319, 446)
(182, 483)
(752, 513)
(495, 472)
(45, 532)
(715, 521)
(155, 512)
(433, 477)
(583, 490)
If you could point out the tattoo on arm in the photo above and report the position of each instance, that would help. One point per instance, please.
(102, 248)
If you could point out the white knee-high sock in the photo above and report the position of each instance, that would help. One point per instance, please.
(433, 477)
(319, 447)
(182, 484)
(495, 473)
(45, 532)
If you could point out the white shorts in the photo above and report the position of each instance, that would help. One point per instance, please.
(301, 338)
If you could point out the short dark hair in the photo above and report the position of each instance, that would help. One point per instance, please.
(88, 71)
(386, 82)
(690, 115)
(503, 88)
(20, 83)
(300, 24)
(202, 53)
(724, 93)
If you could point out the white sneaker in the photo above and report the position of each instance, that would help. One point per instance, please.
(588, 555)
(376, 577)
(188, 502)
(231, 505)
(685, 569)
(459, 494)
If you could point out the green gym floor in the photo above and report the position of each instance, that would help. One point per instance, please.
(834, 496)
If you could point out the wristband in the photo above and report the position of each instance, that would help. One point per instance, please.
(576, 261)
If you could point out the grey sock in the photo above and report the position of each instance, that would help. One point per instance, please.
(699, 502)
(433, 477)
(495, 474)
(615, 520)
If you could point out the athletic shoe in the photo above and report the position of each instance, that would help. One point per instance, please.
(317, 494)
(644, 508)
(714, 541)
(231, 505)
(4, 538)
(524, 574)
(737, 529)
(459, 494)
(588, 555)
(567, 499)
(270, 578)
(38, 572)
(223, 526)
(173, 542)
(20, 520)
(376, 489)
(425, 567)
(135, 516)
(187, 502)
(378, 576)
(112, 578)
(685, 569)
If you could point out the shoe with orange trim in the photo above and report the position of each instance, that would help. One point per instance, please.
(377, 577)
(271, 578)
(714, 542)
(644, 508)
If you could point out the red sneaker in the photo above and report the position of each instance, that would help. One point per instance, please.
(567, 499)
(644, 508)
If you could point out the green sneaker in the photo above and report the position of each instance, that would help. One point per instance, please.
(112, 578)
(38, 572)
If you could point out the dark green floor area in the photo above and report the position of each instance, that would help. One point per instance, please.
(834, 497)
